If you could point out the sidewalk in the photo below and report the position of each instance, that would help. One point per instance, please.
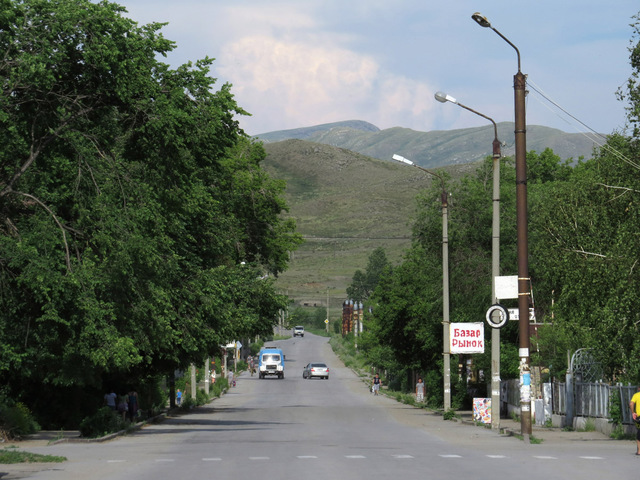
(548, 435)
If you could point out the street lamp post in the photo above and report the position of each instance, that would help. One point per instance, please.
(524, 293)
(445, 284)
(495, 261)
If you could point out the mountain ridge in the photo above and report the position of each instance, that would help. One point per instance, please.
(438, 147)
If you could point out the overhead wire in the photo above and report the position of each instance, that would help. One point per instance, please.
(599, 139)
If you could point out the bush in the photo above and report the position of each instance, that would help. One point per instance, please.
(101, 423)
(450, 414)
(188, 402)
(201, 397)
(16, 420)
(220, 386)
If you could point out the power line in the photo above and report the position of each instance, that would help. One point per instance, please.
(601, 143)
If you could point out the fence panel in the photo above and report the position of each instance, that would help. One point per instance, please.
(590, 399)
(626, 392)
(559, 392)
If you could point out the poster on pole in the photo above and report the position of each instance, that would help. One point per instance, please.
(482, 410)
(466, 337)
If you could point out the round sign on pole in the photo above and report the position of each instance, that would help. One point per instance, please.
(497, 316)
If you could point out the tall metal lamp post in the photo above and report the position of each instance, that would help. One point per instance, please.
(495, 261)
(445, 284)
(524, 293)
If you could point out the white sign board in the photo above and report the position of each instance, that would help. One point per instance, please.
(466, 337)
(514, 314)
(506, 287)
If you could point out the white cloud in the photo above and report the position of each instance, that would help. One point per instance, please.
(297, 63)
(302, 84)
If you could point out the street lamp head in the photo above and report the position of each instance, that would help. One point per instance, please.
(400, 158)
(481, 20)
(444, 98)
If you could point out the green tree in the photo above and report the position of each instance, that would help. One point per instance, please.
(630, 92)
(138, 229)
(364, 283)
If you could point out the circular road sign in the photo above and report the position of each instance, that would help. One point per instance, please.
(497, 316)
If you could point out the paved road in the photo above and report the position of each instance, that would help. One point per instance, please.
(325, 429)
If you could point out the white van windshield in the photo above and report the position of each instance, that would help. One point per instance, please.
(271, 357)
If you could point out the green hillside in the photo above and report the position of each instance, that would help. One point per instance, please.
(346, 205)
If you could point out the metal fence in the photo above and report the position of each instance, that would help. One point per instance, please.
(593, 399)
(589, 399)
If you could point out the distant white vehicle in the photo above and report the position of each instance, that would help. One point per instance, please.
(298, 331)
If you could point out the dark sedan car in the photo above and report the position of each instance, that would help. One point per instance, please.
(319, 370)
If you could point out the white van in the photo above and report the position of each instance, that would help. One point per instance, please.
(271, 362)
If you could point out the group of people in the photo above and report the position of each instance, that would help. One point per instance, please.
(126, 404)
(375, 387)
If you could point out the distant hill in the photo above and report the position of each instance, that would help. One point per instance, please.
(346, 205)
(435, 148)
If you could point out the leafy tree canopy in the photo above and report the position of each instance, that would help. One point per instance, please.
(137, 226)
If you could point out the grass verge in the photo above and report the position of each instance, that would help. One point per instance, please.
(12, 455)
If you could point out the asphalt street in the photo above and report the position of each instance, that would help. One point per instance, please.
(325, 429)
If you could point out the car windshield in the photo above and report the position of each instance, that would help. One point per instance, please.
(271, 358)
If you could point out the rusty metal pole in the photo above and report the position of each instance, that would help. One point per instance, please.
(524, 294)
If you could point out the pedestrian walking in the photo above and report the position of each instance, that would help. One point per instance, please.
(123, 405)
(376, 384)
(178, 397)
(420, 390)
(133, 405)
(110, 399)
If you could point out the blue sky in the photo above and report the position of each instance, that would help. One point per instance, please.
(298, 63)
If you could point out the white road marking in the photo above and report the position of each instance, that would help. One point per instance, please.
(354, 456)
(542, 457)
(116, 461)
(450, 456)
(496, 456)
(258, 458)
(593, 458)
(402, 456)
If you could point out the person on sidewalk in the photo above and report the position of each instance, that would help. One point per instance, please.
(376, 384)
(110, 399)
(634, 404)
(420, 390)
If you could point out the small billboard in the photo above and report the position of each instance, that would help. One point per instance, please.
(466, 337)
